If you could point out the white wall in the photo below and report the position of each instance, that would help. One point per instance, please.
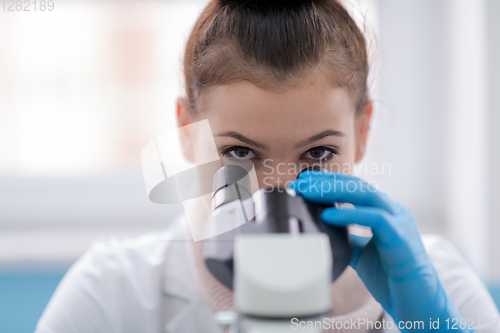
(77, 105)
(409, 118)
(436, 117)
(493, 154)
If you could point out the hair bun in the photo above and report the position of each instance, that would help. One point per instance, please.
(266, 3)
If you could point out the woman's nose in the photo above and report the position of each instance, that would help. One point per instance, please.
(277, 175)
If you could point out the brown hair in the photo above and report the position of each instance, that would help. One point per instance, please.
(274, 44)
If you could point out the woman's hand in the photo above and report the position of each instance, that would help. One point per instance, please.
(393, 264)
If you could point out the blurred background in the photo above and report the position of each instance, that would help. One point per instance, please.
(85, 86)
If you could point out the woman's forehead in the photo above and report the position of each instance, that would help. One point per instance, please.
(245, 104)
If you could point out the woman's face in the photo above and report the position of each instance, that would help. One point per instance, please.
(280, 132)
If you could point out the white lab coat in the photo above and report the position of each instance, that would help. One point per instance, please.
(147, 285)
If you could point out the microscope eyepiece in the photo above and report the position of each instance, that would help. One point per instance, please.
(231, 183)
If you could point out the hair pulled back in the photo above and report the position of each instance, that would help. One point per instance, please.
(274, 44)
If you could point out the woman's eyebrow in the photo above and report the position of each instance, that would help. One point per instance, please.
(319, 136)
(244, 139)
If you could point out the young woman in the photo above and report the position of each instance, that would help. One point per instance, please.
(283, 84)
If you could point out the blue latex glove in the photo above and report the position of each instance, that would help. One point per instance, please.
(393, 264)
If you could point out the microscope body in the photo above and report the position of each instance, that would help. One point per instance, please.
(277, 255)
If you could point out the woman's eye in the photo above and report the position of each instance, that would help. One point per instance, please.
(320, 153)
(241, 153)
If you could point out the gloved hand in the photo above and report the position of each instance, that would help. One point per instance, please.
(393, 264)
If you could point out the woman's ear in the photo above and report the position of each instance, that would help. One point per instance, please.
(184, 119)
(362, 127)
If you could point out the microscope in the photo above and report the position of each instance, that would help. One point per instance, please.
(279, 258)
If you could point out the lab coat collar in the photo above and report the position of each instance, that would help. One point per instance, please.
(195, 317)
(178, 275)
(180, 281)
